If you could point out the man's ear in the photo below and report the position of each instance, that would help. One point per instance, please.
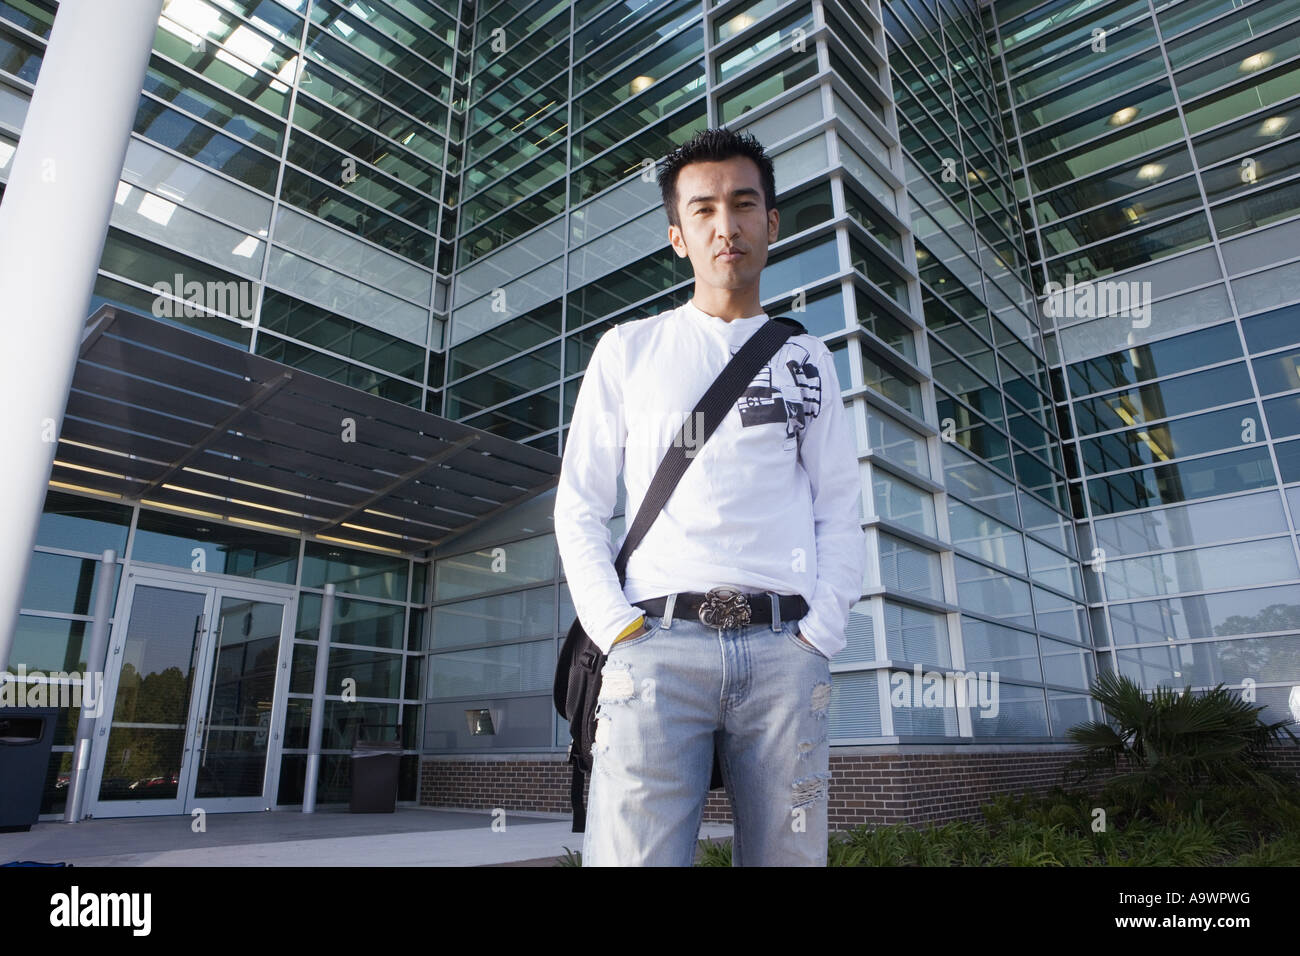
(677, 241)
(773, 225)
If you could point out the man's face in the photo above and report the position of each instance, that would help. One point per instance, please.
(720, 206)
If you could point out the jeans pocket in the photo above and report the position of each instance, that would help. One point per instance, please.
(790, 629)
(654, 623)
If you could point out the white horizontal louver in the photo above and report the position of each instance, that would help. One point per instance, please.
(860, 634)
(855, 707)
(915, 635)
(1019, 713)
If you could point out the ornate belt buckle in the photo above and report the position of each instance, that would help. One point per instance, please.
(724, 607)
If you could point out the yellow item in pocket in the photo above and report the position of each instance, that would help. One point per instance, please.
(630, 629)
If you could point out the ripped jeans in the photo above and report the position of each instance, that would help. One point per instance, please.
(667, 699)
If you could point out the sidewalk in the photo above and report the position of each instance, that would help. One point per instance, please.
(412, 836)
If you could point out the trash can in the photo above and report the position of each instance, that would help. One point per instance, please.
(374, 776)
(26, 735)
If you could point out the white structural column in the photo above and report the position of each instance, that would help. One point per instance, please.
(53, 221)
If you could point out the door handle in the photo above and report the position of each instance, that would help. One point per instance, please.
(198, 634)
(199, 620)
(205, 719)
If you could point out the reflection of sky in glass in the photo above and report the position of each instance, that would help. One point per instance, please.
(265, 622)
(80, 533)
(161, 632)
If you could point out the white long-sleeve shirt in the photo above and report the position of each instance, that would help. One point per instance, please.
(770, 504)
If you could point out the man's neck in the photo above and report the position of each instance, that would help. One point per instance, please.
(730, 307)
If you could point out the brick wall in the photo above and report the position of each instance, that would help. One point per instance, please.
(868, 785)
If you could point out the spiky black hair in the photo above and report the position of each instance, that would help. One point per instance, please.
(713, 145)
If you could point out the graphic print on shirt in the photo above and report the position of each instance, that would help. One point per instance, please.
(787, 390)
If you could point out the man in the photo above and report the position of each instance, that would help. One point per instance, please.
(769, 509)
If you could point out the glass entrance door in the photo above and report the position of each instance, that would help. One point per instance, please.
(232, 734)
(140, 745)
(197, 703)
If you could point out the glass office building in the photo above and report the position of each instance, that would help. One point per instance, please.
(1157, 151)
(443, 205)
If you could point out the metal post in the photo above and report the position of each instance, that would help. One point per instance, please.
(53, 221)
(318, 701)
(96, 657)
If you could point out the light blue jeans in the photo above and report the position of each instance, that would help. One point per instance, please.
(668, 698)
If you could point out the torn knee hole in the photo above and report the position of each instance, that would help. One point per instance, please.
(810, 789)
(821, 698)
(616, 685)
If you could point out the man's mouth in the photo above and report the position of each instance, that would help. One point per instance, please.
(729, 255)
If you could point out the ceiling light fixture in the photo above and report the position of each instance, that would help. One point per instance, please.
(1256, 61)
(1274, 125)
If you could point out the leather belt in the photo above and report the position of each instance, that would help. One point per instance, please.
(727, 607)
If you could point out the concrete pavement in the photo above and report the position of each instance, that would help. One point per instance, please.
(412, 836)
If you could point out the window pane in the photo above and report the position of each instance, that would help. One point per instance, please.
(985, 537)
(498, 619)
(890, 382)
(767, 86)
(912, 634)
(1153, 444)
(904, 503)
(993, 593)
(907, 568)
(512, 668)
(1199, 478)
(1206, 522)
(354, 572)
(1253, 611)
(896, 442)
(227, 549)
(519, 563)
(1279, 372)
(1175, 396)
(83, 524)
(355, 622)
(1010, 653)
(1229, 565)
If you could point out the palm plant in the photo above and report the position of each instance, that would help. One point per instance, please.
(1171, 742)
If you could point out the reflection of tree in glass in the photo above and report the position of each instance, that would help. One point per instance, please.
(161, 698)
(1267, 659)
(245, 681)
(140, 754)
(1275, 617)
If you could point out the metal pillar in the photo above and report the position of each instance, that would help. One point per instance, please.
(91, 711)
(318, 701)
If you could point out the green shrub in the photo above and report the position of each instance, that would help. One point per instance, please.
(715, 854)
(1165, 744)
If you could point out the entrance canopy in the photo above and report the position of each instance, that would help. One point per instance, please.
(168, 416)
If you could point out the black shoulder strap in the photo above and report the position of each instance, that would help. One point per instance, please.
(714, 404)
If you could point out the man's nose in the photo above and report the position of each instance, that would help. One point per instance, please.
(728, 225)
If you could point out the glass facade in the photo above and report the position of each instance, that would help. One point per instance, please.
(378, 637)
(446, 204)
(1156, 152)
(899, 246)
